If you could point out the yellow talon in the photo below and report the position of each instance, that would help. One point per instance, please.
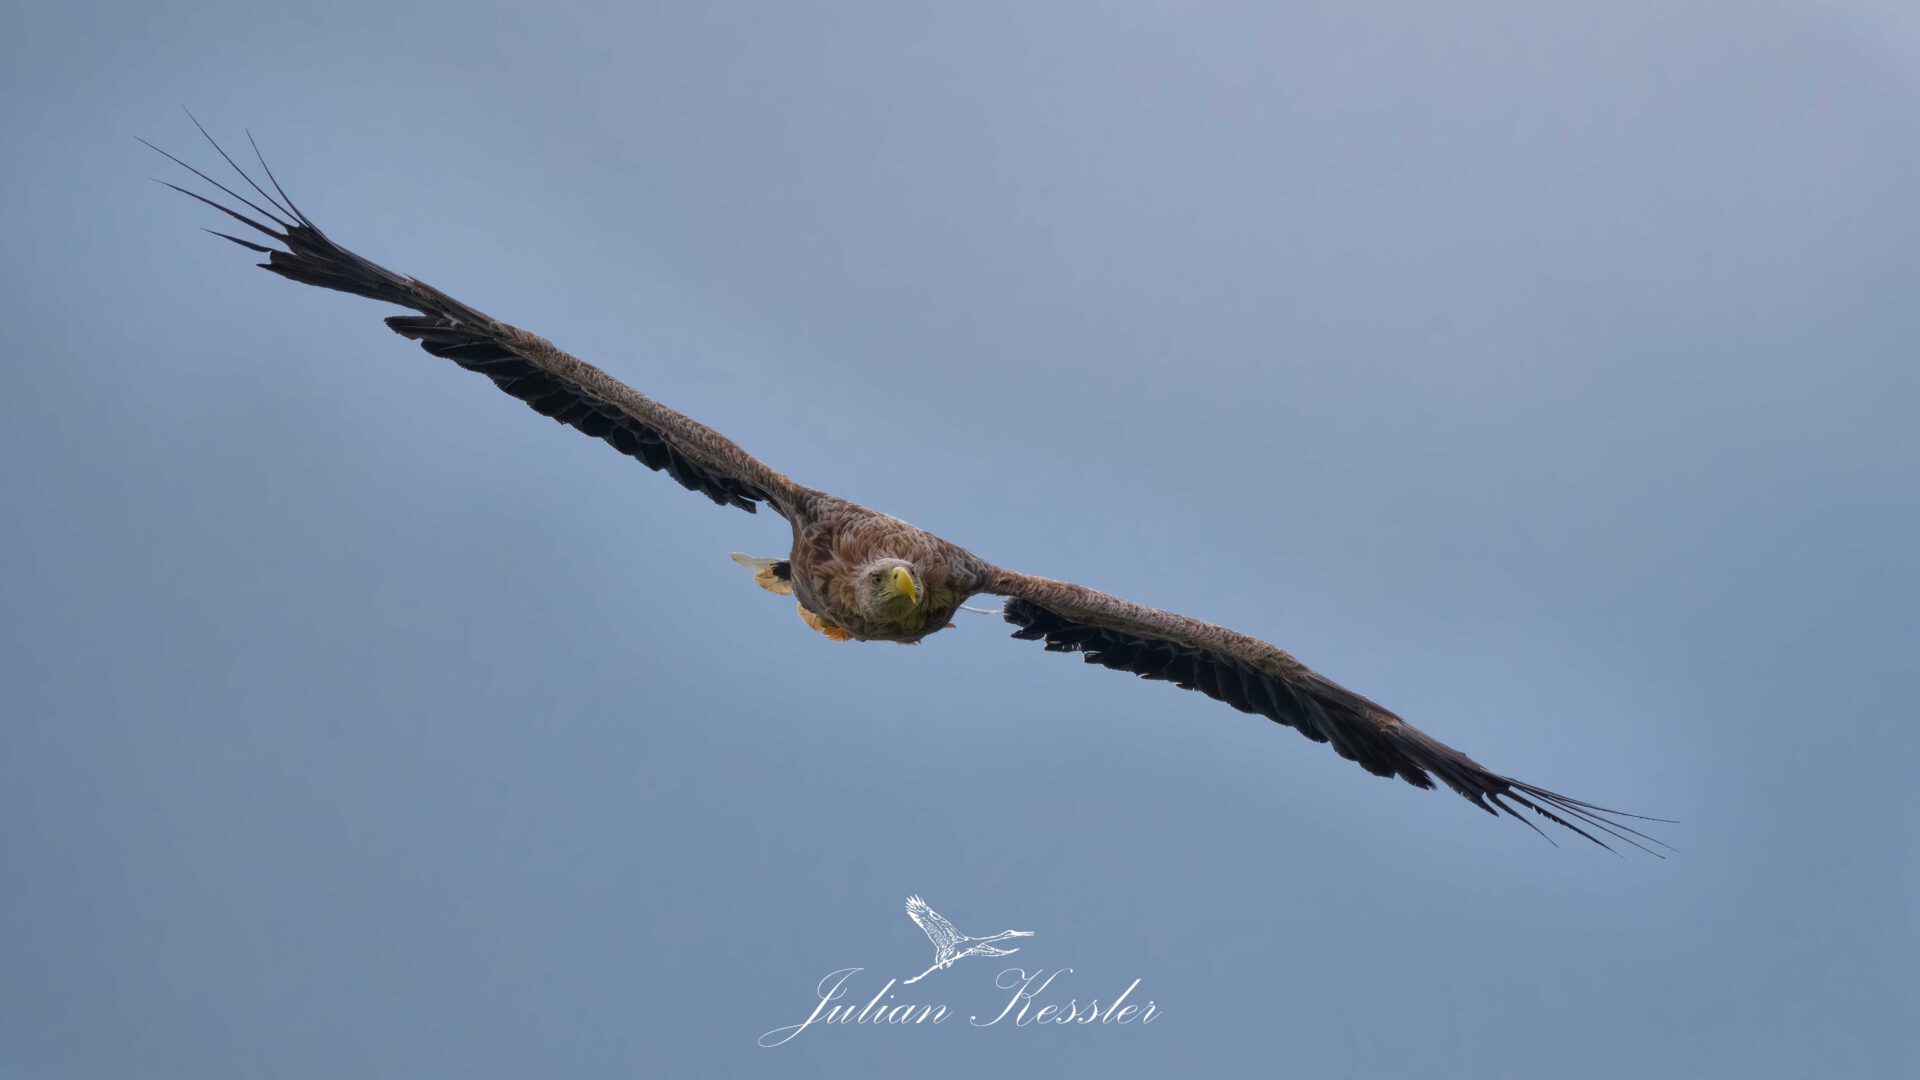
(823, 624)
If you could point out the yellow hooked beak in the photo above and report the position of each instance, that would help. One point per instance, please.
(903, 583)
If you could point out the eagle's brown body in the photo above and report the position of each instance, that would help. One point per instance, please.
(859, 573)
(834, 538)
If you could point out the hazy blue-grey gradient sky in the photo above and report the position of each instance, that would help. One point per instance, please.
(1546, 372)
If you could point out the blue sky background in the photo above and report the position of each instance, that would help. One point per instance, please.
(1545, 372)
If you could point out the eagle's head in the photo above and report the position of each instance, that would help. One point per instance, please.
(888, 588)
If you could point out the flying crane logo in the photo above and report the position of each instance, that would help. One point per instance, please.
(949, 945)
(1023, 998)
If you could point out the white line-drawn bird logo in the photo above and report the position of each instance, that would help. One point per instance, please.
(1029, 998)
(949, 944)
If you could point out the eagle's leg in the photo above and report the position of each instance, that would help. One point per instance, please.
(822, 623)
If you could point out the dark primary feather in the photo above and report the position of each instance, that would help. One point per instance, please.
(449, 329)
(1323, 711)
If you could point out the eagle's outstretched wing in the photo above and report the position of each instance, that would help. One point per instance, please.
(938, 930)
(529, 367)
(1256, 677)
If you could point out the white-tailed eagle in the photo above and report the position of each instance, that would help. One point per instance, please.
(859, 574)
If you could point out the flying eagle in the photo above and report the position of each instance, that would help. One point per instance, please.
(860, 574)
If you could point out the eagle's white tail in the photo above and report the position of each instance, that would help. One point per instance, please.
(771, 574)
